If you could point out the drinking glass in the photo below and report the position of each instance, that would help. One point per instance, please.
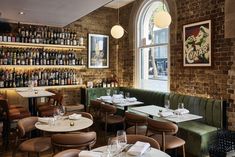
(112, 146)
(108, 92)
(181, 106)
(61, 110)
(114, 92)
(121, 92)
(167, 104)
(127, 95)
(56, 113)
(121, 137)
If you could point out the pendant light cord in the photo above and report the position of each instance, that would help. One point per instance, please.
(118, 11)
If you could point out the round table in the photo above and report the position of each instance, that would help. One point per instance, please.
(149, 153)
(63, 125)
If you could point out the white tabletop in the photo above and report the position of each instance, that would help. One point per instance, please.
(152, 152)
(153, 110)
(34, 93)
(63, 125)
(123, 102)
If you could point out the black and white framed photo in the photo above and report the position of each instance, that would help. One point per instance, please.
(98, 51)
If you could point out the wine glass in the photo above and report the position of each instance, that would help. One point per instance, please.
(112, 146)
(121, 137)
(56, 113)
(127, 95)
(167, 104)
(181, 105)
(61, 110)
(108, 92)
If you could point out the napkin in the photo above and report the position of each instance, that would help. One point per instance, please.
(105, 97)
(117, 101)
(75, 116)
(165, 113)
(117, 96)
(138, 148)
(44, 119)
(181, 111)
(86, 153)
(132, 99)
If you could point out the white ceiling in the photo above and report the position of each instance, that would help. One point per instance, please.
(51, 12)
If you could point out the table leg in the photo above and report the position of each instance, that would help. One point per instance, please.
(32, 106)
(125, 108)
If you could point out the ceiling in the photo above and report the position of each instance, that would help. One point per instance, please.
(51, 12)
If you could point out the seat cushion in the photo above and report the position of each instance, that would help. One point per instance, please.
(114, 119)
(140, 130)
(198, 134)
(171, 141)
(38, 144)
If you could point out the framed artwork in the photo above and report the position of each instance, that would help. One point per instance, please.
(197, 44)
(98, 51)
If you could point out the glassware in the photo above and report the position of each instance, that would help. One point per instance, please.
(112, 146)
(121, 92)
(167, 104)
(114, 92)
(108, 92)
(127, 95)
(181, 106)
(121, 137)
(61, 110)
(56, 113)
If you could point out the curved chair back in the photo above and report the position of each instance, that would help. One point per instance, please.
(132, 139)
(86, 114)
(159, 127)
(108, 109)
(68, 153)
(26, 125)
(135, 119)
(83, 140)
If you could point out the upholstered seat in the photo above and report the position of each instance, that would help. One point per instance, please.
(82, 140)
(68, 153)
(30, 145)
(137, 123)
(164, 133)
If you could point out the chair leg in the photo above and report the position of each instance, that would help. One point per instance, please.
(38, 154)
(183, 148)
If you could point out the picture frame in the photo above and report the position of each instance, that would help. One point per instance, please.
(197, 44)
(98, 51)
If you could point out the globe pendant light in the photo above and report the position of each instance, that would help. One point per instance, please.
(117, 30)
(162, 19)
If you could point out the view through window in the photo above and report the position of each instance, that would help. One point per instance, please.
(152, 50)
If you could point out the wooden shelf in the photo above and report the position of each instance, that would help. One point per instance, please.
(44, 87)
(46, 46)
(44, 66)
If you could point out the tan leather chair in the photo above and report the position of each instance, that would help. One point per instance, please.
(94, 108)
(68, 153)
(137, 122)
(109, 117)
(82, 140)
(30, 145)
(164, 133)
(10, 115)
(132, 139)
(48, 109)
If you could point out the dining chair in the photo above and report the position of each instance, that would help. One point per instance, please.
(165, 134)
(25, 143)
(137, 123)
(81, 140)
(94, 109)
(9, 117)
(68, 153)
(108, 116)
(132, 139)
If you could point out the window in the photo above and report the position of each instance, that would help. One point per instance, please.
(152, 50)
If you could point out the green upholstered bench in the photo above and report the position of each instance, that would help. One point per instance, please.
(197, 134)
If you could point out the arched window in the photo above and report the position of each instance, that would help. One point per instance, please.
(152, 64)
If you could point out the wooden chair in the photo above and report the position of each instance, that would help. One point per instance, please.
(164, 133)
(25, 143)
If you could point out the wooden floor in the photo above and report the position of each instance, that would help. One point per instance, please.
(101, 141)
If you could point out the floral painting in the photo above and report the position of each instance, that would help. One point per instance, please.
(98, 51)
(197, 44)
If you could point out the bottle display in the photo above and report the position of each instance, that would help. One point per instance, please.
(11, 78)
(43, 35)
(38, 56)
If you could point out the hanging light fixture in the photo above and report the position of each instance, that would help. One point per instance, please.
(162, 19)
(117, 30)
